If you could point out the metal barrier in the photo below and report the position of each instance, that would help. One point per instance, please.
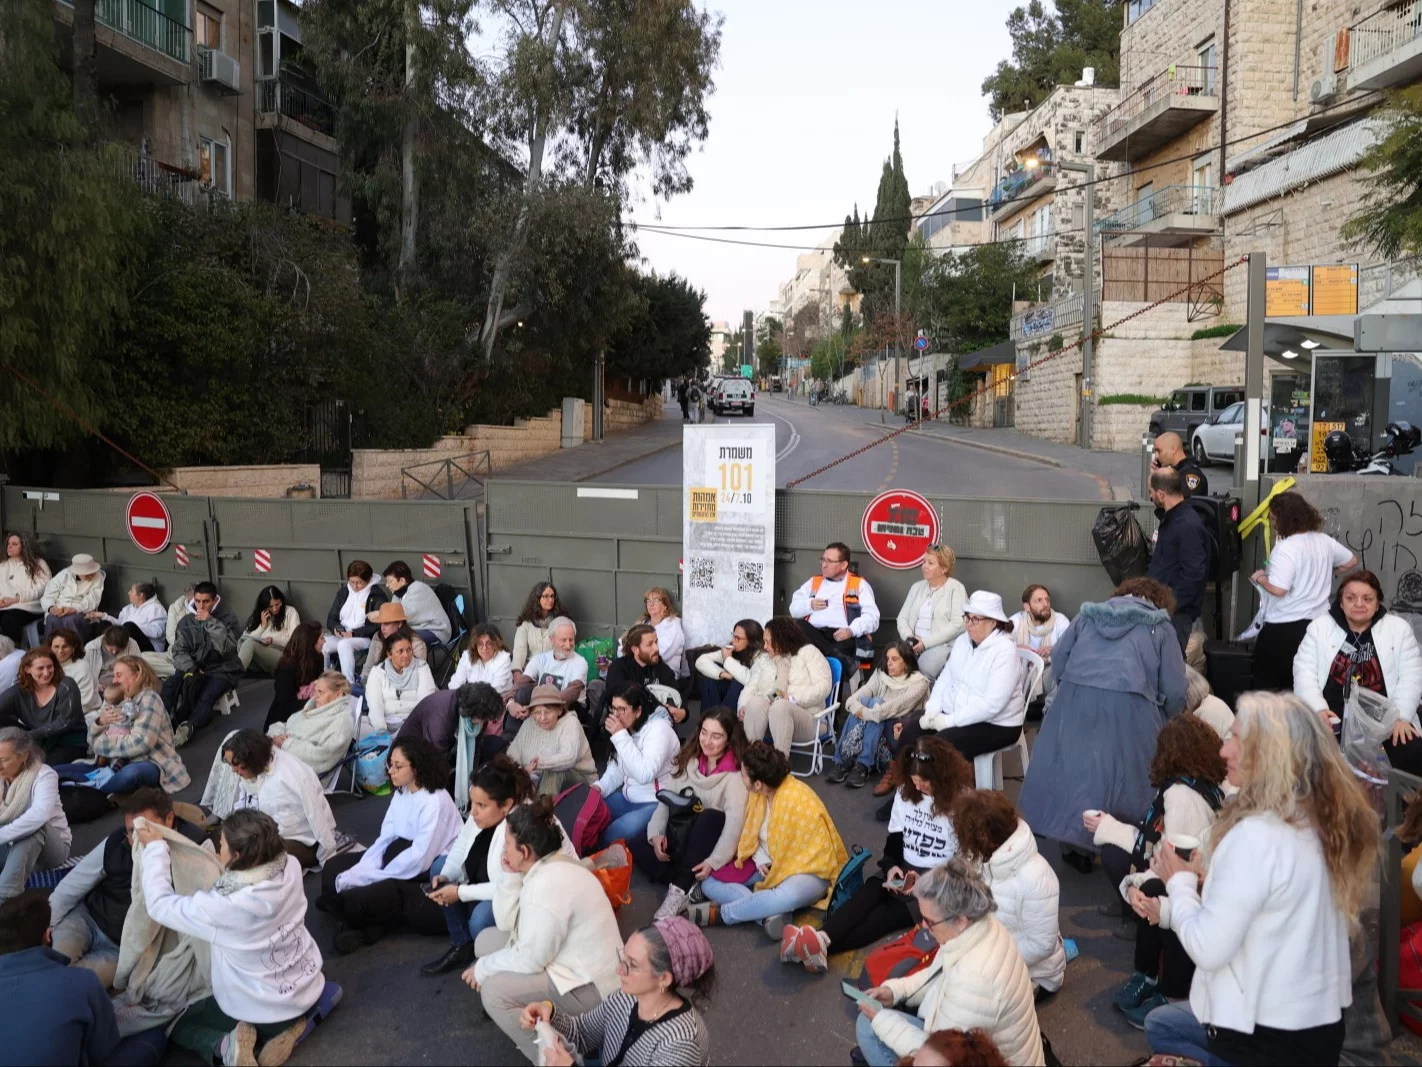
(436, 470)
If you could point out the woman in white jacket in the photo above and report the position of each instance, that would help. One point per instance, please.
(484, 660)
(1290, 863)
(739, 670)
(992, 834)
(661, 616)
(320, 734)
(23, 576)
(802, 685)
(71, 654)
(266, 969)
(1358, 643)
(644, 749)
(977, 981)
(268, 630)
(977, 704)
(395, 687)
(932, 616)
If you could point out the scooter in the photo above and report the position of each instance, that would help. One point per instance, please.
(1400, 439)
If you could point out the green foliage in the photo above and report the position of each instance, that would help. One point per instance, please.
(830, 359)
(768, 354)
(1131, 398)
(965, 300)
(1225, 329)
(1056, 343)
(668, 334)
(884, 236)
(1390, 221)
(1050, 48)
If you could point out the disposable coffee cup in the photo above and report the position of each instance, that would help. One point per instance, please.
(1184, 845)
(1092, 811)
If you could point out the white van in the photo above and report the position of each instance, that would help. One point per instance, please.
(733, 394)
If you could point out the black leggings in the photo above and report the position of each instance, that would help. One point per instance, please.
(1159, 954)
(971, 741)
(382, 902)
(871, 913)
(13, 622)
(141, 639)
(705, 832)
(1273, 661)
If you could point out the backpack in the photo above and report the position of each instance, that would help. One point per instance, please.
(584, 815)
(446, 594)
(906, 954)
(850, 877)
(683, 809)
(83, 803)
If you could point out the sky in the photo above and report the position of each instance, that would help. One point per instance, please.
(802, 120)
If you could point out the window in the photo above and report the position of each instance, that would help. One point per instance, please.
(207, 30)
(1206, 56)
(266, 13)
(1226, 397)
(266, 55)
(214, 169)
(1079, 142)
(1199, 401)
(1202, 173)
(1177, 400)
(1136, 8)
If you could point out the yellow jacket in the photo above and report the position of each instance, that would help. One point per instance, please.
(802, 839)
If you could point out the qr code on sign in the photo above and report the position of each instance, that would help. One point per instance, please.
(703, 573)
(750, 577)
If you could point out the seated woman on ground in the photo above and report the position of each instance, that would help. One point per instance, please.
(391, 622)
(666, 979)
(34, 833)
(531, 634)
(369, 891)
(551, 745)
(294, 678)
(135, 737)
(920, 837)
(70, 653)
(992, 835)
(348, 631)
(787, 858)
(563, 944)
(802, 685)
(268, 630)
(23, 577)
(103, 652)
(977, 980)
(259, 997)
(320, 734)
(644, 745)
(709, 765)
(1188, 774)
(484, 660)
(47, 704)
(394, 688)
(741, 669)
(895, 691)
(143, 617)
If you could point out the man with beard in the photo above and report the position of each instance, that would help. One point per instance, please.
(641, 665)
(1039, 628)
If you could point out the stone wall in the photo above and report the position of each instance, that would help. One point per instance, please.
(1119, 427)
(254, 481)
(1046, 395)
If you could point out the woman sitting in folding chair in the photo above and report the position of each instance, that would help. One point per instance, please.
(320, 734)
(803, 684)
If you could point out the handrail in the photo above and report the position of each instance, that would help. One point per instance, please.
(478, 461)
(1171, 200)
(1384, 31)
(1174, 80)
(146, 25)
(282, 96)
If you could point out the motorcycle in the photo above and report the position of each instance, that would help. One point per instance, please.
(1399, 439)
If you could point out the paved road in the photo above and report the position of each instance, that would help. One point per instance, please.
(809, 437)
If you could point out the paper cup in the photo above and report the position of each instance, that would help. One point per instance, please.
(1184, 845)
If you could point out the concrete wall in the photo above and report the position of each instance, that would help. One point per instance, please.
(276, 480)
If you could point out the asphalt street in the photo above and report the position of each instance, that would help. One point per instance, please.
(810, 437)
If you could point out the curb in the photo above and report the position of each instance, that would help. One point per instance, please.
(626, 462)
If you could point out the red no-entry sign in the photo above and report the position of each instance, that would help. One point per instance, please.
(898, 527)
(149, 524)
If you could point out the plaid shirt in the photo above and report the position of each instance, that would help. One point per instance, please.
(149, 738)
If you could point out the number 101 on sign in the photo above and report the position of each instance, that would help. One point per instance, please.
(737, 482)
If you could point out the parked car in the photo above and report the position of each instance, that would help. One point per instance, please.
(1214, 440)
(733, 394)
(1193, 406)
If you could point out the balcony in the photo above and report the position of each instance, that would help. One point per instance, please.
(1047, 319)
(1040, 246)
(1020, 189)
(1174, 215)
(137, 44)
(279, 98)
(1175, 100)
(1385, 49)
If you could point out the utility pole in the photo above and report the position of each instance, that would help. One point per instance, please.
(1088, 299)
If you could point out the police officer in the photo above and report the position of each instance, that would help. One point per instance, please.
(1170, 452)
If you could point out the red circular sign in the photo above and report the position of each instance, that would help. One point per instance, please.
(149, 524)
(898, 527)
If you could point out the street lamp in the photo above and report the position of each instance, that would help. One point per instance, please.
(898, 292)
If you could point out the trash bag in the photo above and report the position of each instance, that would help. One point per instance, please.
(370, 771)
(1121, 543)
(1368, 719)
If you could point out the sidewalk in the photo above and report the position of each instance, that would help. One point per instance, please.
(594, 458)
(1119, 469)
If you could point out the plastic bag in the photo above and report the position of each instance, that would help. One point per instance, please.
(599, 652)
(1120, 542)
(371, 753)
(1368, 719)
(612, 867)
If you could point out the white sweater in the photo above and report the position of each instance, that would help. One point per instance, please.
(501, 882)
(756, 680)
(280, 635)
(498, 672)
(44, 812)
(671, 644)
(1186, 813)
(565, 929)
(290, 793)
(423, 610)
(1027, 894)
(810, 680)
(1270, 946)
(385, 707)
(428, 820)
(982, 684)
(644, 760)
(1398, 655)
(15, 581)
(82, 671)
(66, 591)
(265, 965)
(948, 602)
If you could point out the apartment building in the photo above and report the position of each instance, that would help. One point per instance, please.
(211, 96)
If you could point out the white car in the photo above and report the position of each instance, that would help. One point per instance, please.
(1214, 440)
(733, 394)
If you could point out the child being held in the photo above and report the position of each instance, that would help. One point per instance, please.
(115, 702)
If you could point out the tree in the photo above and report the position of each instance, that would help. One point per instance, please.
(1390, 221)
(882, 237)
(768, 354)
(1050, 48)
(804, 327)
(84, 47)
(667, 336)
(965, 300)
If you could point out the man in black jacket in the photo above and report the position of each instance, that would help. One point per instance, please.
(1181, 559)
(88, 907)
(640, 664)
(205, 661)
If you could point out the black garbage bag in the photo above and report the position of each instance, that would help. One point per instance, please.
(1122, 545)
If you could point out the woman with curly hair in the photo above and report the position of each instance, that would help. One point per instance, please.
(802, 684)
(1291, 861)
(920, 837)
(369, 891)
(1187, 772)
(531, 636)
(23, 576)
(959, 1048)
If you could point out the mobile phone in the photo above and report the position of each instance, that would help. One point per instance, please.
(894, 883)
(853, 992)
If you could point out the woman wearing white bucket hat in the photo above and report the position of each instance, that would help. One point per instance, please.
(71, 595)
(976, 704)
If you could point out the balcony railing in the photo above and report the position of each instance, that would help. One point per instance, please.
(1040, 246)
(1174, 80)
(1202, 200)
(1020, 184)
(146, 25)
(1385, 31)
(1046, 319)
(276, 95)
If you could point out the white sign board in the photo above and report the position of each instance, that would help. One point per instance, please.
(728, 528)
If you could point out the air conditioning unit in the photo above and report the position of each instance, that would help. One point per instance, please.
(1323, 88)
(220, 69)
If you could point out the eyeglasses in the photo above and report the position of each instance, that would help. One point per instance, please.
(970, 619)
(921, 757)
(401, 766)
(929, 924)
(831, 559)
(624, 965)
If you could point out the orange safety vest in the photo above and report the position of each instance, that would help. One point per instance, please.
(863, 646)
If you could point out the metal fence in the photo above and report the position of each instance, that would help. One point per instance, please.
(1385, 31)
(1174, 80)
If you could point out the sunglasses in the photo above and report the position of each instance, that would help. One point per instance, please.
(921, 757)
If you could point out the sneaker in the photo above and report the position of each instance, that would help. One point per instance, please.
(789, 944)
(183, 734)
(674, 903)
(774, 926)
(1137, 1016)
(704, 914)
(858, 777)
(697, 895)
(838, 773)
(239, 1047)
(278, 1050)
(1138, 989)
(813, 950)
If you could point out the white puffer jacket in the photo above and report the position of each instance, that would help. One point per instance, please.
(1027, 894)
(982, 684)
(1398, 655)
(810, 678)
(977, 981)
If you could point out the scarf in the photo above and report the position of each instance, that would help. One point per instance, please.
(231, 881)
(725, 764)
(1153, 825)
(353, 610)
(15, 796)
(466, 738)
(803, 838)
(897, 685)
(1028, 629)
(402, 681)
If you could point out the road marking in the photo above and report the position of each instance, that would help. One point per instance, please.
(791, 444)
(893, 468)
